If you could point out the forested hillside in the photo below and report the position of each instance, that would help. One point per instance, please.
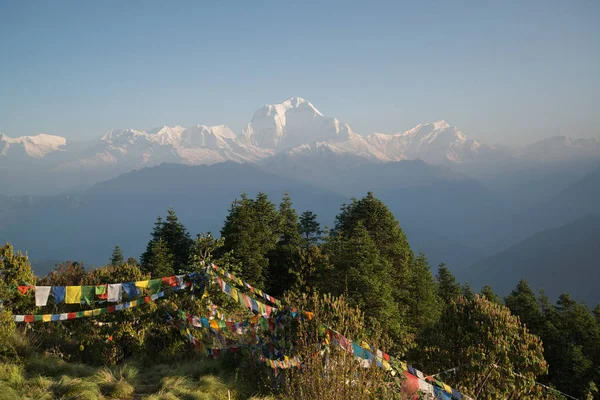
(330, 293)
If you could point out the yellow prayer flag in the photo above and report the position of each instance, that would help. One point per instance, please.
(46, 317)
(73, 295)
(142, 284)
(214, 324)
(234, 294)
(447, 388)
(133, 303)
(96, 312)
(88, 313)
(258, 292)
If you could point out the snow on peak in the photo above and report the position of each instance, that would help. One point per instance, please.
(286, 124)
(37, 146)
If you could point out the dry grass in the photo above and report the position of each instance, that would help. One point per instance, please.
(50, 378)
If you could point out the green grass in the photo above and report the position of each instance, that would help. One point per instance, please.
(46, 377)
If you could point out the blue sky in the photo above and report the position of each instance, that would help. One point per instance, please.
(504, 72)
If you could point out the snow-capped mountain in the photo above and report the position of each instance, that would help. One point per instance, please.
(38, 146)
(435, 143)
(294, 128)
(198, 144)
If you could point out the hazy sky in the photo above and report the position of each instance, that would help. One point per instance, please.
(503, 71)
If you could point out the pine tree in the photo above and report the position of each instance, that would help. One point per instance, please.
(251, 231)
(467, 292)
(522, 303)
(489, 294)
(389, 239)
(285, 257)
(448, 288)
(177, 239)
(117, 256)
(309, 229)
(175, 236)
(161, 261)
(155, 236)
(358, 271)
(424, 306)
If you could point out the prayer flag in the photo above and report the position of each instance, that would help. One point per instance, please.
(59, 293)
(73, 295)
(115, 292)
(130, 289)
(41, 295)
(154, 285)
(88, 293)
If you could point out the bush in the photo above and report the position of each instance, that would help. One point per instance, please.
(7, 333)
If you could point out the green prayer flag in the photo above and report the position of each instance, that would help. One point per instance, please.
(264, 324)
(37, 317)
(100, 289)
(79, 314)
(103, 310)
(154, 285)
(88, 293)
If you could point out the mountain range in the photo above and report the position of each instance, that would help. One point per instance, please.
(49, 164)
(480, 208)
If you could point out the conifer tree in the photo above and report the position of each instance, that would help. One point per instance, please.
(285, 257)
(161, 261)
(448, 288)
(424, 306)
(251, 231)
(522, 303)
(309, 229)
(467, 292)
(358, 271)
(488, 293)
(390, 241)
(117, 256)
(176, 238)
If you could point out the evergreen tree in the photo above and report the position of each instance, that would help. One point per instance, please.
(358, 270)
(488, 293)
(156, 235)
(467, 292)
(161, 261)
(251, 231)
(177, 239)
(522, 303)
(424, 306)
(309, 229)
(389, 239)
(285, 257)
(448, 288)
(117, 256)
(175, 236)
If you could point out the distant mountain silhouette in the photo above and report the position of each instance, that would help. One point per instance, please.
(564, 259)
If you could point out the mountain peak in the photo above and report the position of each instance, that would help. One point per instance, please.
(441, 124)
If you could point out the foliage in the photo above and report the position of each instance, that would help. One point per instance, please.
(177, 240)
(15, 270)
(489, 346)
(117, 256)
(329, 372)
(251, 231)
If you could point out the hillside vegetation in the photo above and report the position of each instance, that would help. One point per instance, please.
(356, 286)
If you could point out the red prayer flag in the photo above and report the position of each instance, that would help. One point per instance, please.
(28, 318)
(71, 315)
(24, 289)
(111, 309)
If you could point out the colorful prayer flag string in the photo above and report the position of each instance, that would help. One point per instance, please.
(87, 313)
